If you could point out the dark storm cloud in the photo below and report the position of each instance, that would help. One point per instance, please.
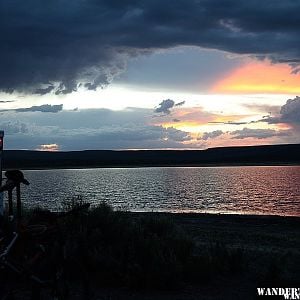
(44, 91)
(45, 108)
(258, 133)
(57, 46)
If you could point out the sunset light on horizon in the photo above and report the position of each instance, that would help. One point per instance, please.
(260, 77)
(161, 87)
(149, 150)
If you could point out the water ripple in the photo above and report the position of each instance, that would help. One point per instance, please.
(255, 190)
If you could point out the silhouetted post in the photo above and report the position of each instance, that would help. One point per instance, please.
(14, 180)
(19, 206)
(1, 154)
(10, 204)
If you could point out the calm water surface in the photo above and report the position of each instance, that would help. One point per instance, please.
(246, 190)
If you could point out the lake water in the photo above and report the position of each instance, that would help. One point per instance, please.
(245, 190)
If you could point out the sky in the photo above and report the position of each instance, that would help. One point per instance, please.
(149, 74)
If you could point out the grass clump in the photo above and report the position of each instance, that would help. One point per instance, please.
(103, 247)
(118, 248)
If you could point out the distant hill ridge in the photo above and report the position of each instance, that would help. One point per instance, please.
(250, 155)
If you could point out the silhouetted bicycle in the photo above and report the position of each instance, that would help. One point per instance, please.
(32, 259)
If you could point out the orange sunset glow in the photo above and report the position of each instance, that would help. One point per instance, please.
(191, 121)
(260, 77)
(48, 147)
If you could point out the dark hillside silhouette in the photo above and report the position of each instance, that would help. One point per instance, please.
(252, 155)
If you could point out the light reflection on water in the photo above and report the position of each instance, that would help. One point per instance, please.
(250, 190)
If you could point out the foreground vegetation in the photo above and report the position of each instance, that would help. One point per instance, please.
(122, 254)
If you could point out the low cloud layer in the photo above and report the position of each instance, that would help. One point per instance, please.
(210, 135)
(45, 108)
(165, 106)
(6, 101)
(13, 127)
(266, 109)
(89, 129)
(258, 133)
(289, 113)
(59, 46)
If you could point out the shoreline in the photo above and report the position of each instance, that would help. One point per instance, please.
(199, 214)
(180, 255)
(137, 166)
(235, 216)
(252, 244)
